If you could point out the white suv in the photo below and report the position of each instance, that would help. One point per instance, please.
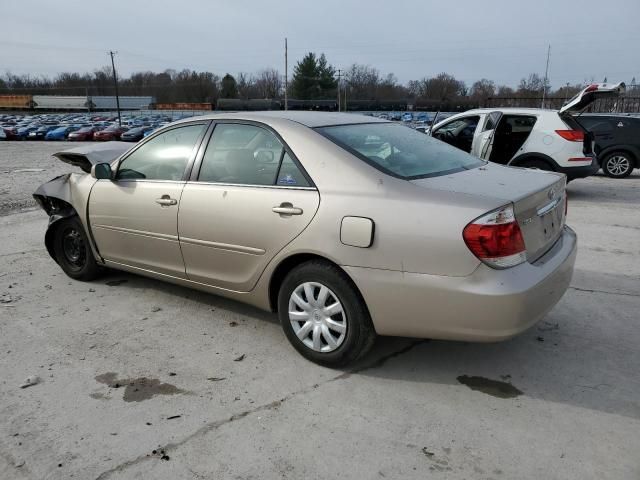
(550, 140)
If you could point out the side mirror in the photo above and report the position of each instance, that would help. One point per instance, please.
(101, 171)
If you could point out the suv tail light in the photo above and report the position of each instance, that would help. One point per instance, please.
(571, 135)
(496, 239)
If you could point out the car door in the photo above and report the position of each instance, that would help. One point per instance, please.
(483, 144)
(248, 198)
(134, 216)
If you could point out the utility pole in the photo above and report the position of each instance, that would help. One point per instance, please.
(115, 82)
(546, 77)
(286, 76)
(339, 75)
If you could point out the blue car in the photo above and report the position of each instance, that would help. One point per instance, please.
(407, 117)
(60, 133)
(23, 132)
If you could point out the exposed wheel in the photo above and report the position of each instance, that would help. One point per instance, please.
(73, 251)
(535, 163)
(323, 315)
(617, 165)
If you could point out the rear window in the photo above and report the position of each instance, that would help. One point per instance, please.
(400, 151)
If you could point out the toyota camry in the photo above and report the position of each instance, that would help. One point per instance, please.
(346, 226)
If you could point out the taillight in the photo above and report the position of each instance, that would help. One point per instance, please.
(571, 135)
(496, 239)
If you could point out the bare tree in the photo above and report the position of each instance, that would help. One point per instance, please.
(268, 83)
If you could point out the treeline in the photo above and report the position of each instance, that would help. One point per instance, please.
(313, 78)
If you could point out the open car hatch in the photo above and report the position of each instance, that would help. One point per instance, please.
(87, 156)
(590, 94)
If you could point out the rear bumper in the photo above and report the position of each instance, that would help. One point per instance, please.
(580, 171)
(488, 305)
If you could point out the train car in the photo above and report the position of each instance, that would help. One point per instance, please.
(60, 102)
(183, 106)
(126, 102)
(15, 102)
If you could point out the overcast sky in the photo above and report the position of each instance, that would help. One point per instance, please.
(500, 40)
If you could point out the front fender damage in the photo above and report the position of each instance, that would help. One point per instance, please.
(63, 197)
(54, 197)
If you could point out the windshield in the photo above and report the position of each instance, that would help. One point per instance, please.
(400, 151)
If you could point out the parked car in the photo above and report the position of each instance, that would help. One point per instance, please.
(530, 137)
(407, 117)
(3, 136)
(617, 142)
(135, 134)
(110, 133)
(412, 238)
(84, 134)
(41, 132)
(22, 133)
(60, 133)
(10, 132)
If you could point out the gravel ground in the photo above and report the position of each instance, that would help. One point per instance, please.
(141, 379)
(24, 166)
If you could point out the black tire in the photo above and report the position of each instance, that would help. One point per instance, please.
(360, 334)
(72, 250)
(536, 163)
(617, 164)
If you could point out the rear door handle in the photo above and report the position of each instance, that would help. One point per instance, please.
(166, 201)
(287, 208)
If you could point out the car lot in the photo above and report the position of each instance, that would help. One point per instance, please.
(130, 366)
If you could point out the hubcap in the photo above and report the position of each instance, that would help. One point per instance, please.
(618, 165)
(73, 248)
(317, 317)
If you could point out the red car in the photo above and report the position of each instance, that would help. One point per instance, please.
(11, 133)
(110, 133)
(85, 134)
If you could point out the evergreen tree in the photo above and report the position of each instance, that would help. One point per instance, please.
(313, 78)
(229, 87)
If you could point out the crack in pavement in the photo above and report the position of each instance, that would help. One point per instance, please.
(605, 292)
(268, 406)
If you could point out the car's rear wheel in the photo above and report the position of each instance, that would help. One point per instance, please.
(72, 250)
(323, 314)
(617, 165)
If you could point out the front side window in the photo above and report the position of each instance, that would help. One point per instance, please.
(458, 133)
(400, 151)
(243, 154)
(164, 157)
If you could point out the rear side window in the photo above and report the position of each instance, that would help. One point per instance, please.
(290, 175)
(243, 154)
(248, 155)
(400, 151)
(164, 157)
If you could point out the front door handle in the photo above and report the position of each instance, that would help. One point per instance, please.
(287, 208)
(166, 200)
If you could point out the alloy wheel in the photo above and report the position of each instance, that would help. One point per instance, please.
(618, 165)
(317, 317)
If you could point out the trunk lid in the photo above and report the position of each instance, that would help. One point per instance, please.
(89, 155)
(538, 199)
(590, 94)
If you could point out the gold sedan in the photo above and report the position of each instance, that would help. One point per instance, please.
(346, 226)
